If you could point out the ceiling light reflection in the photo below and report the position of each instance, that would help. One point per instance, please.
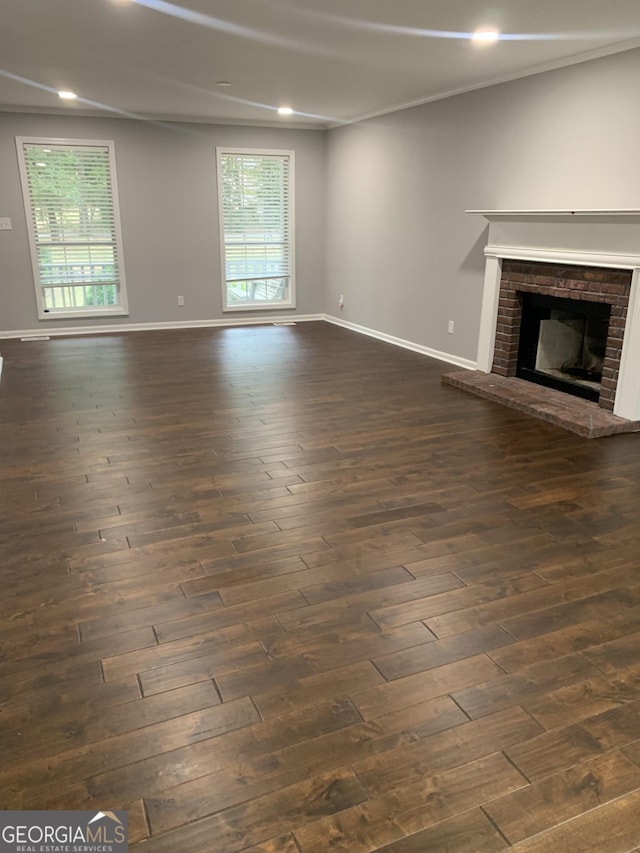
(485, 36)
(214, 23)
(361, 25)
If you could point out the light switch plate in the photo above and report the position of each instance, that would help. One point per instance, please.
(5, 223)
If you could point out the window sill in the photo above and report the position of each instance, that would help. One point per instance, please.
(67, 315)
(260, 306)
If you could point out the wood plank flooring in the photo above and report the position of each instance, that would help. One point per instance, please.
(276, 589)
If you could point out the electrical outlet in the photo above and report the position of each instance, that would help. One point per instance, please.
(450, 329)
(180, 300)
(5, 223)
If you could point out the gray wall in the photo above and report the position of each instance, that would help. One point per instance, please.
(400, 248)
(167, 191)
(379, 204)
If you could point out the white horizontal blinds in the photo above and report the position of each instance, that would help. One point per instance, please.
(73, 217)
(257, 226)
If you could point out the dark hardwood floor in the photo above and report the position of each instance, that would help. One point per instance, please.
(275, 589)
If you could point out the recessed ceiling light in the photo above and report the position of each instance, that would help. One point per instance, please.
(223, 83)
(485, 35)
(66, 95)
(285, 111)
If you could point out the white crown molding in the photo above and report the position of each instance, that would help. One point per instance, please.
(552, 65)
(400, 342)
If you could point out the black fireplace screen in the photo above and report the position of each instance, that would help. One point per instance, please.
(562, 343)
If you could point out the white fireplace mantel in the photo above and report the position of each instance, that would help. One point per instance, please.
(595, 211)
(602, 238)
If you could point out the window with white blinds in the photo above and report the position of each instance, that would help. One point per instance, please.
(71, 204)
(255, 195)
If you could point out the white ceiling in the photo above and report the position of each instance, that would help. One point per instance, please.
(333, 61)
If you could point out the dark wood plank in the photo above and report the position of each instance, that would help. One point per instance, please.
(616, 654)
(241, 826)
(61, 653)
(322, 657)
(469, 832)
(282, 844)
(59, 775)
(562, 748)
(241, 762)
(588, 636)
(294, 693)
(603, 606)
(352, 606)
(261, 678)
(207, 618)
(586, 699)
(204, 667)
(611, 828)
(21, 734)
(104, 626)
(440, 652)
(414, 689)
(339, 738)
(486, 697)
(414, 761)
(408, 810)
(237, 576)
(116, 666)
(561, 797)
(349, 586)
(462, 600)
(527, 602)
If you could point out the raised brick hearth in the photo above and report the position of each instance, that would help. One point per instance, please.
(555, 407)
(580, 283)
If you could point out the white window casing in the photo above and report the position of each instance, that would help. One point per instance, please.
(73, 221)
(256, 206)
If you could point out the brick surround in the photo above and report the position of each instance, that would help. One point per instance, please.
(591, 284)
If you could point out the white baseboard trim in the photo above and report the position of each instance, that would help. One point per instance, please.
(70, 331)
(400, 342)
(66, 331)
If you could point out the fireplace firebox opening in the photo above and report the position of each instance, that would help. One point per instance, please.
(577, 289)
(562, 343)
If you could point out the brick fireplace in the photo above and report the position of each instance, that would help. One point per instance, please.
(581, 258)
(577, 283)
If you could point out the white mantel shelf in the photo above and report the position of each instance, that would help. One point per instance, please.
(523, 214)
